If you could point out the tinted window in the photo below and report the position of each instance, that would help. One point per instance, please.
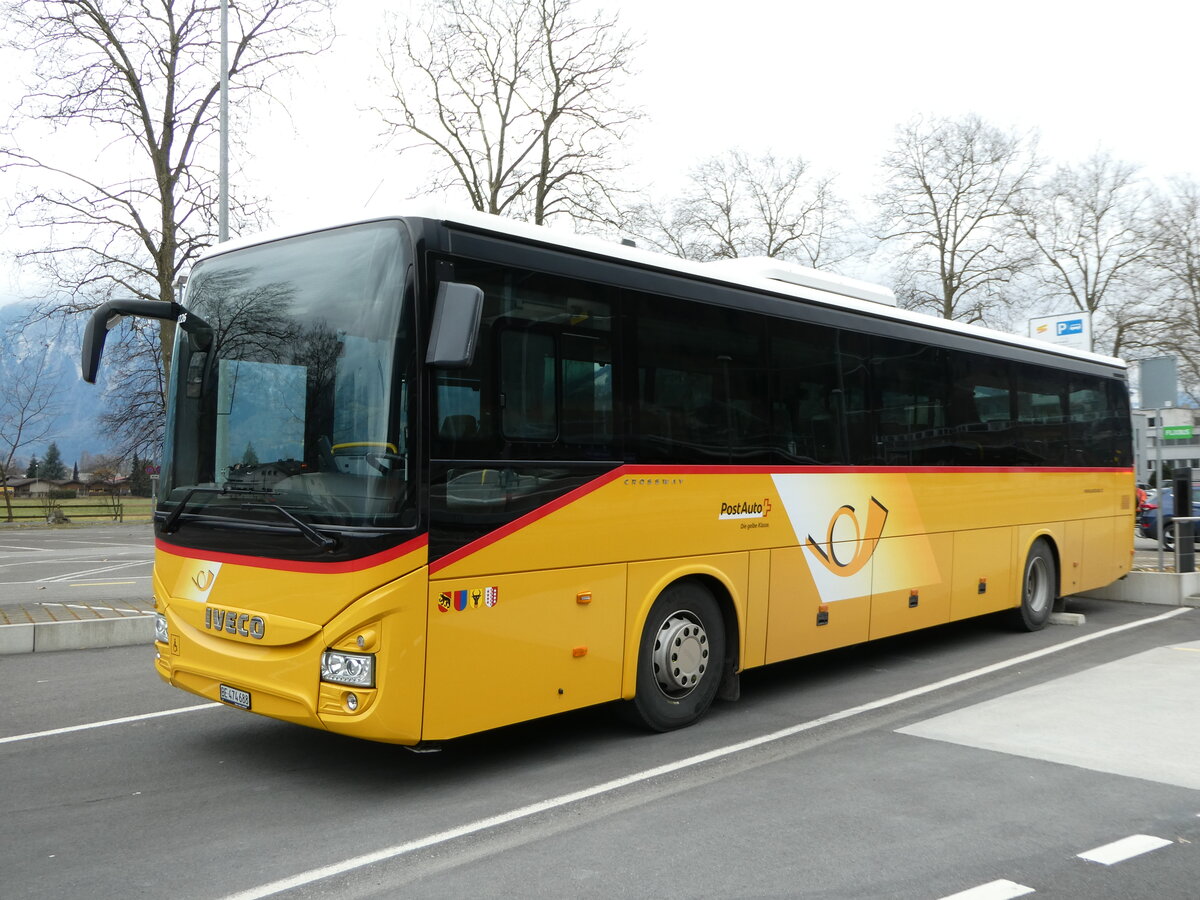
(702, 384)
(541, 384)
(911, 384)
(805, 408)
(1043, 397)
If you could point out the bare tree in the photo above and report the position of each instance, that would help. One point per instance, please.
(948, 207)
(737, 205)
(1174, 325)
(1089, 226)
(136, 389)
(515, 100)
(27, 405)
(137, 79)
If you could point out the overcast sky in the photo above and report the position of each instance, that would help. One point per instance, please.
(826, 81)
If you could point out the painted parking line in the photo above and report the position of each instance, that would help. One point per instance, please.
(124, 720)
(56, 579)
(1126, 848)
(115, 609)
(311, 876)
(993, 890)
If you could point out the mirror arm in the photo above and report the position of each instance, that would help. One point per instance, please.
(107, 315)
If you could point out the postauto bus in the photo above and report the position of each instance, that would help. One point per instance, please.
(429, 475)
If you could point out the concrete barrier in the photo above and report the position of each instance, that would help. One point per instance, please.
(1161, 588)
(91, 634)
(16, 638)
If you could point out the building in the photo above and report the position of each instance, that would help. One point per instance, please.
(29, 487)
(1178, 448)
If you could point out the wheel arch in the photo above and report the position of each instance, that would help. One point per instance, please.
(718, 584)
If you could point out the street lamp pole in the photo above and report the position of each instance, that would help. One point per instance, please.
(223, 190)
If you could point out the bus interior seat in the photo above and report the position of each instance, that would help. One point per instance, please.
(459, 427)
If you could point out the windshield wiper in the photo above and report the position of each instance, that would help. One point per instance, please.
(322, 541)
(171, 522)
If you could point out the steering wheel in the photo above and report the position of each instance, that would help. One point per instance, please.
(379, 455)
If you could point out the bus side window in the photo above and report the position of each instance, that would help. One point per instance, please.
(528, 386)
(858, 444)
(981, 423)
(911, 383)
(702, 383)
(458, 413)
(1042, 397)
(805, 424)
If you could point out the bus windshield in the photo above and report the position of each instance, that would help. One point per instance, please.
(290, 408)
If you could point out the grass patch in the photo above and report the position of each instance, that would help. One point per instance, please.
(80, 510)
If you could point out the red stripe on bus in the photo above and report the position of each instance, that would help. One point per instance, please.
(541, 512)
(869, 470)
(530, 517)
(284, 565)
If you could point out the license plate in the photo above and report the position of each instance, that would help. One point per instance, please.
(234, 697)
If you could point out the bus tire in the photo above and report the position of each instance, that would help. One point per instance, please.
(681, 658)
(1039, 587)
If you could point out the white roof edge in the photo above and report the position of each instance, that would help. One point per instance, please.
(826, 288)
(802, 276)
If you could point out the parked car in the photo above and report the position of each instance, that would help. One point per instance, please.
(1147, 521)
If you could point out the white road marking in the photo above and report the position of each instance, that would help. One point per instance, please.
(311, 876)
(57, 579)
(130, 546)
(993, 890)
(1126, 848)
(70, 584)
(103, 608)
(122, 721)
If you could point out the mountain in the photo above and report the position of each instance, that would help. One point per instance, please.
(76, 428)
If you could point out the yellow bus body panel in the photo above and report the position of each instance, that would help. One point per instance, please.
(523, 645)
(247, 623)
(546, 614)
(910, 606)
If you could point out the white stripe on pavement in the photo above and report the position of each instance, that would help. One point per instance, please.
(122, 721)
(311, 876)
(1126, 848)
(993, 890)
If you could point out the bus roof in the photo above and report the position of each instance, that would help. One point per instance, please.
(763, 274)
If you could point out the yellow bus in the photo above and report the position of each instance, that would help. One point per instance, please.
(429, 475)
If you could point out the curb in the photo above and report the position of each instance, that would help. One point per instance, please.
(1158, 588)
(37, 637)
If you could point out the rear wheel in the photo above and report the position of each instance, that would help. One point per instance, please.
(1039, 587)
(681, 658)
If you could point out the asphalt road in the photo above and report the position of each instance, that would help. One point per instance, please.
(95, 564)
(966, 758)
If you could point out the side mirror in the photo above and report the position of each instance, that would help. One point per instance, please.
(455, 325)
(107, 315)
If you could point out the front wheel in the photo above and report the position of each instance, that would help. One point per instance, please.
(1039, 587)
(681, 658)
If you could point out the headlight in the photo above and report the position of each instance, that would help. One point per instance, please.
(160, 628)
(348, 668)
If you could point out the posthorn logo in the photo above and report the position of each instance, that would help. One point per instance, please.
(861, 544)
